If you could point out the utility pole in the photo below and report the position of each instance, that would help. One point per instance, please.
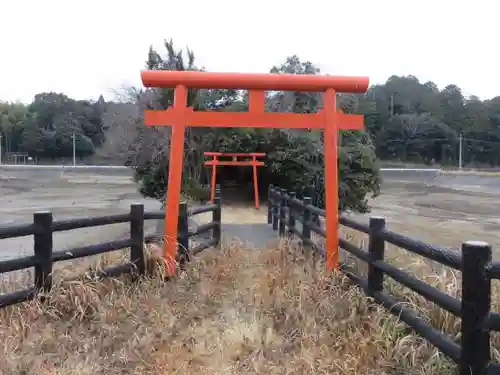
(460, 151)
(0, 148)
(74, 149)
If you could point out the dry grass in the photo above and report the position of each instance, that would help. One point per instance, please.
(84, 267)
(232, 312)
(443, 278)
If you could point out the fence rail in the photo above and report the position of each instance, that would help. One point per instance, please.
(44, 227)
(473, 352)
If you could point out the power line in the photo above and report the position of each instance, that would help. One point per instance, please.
(481, 141)
(425, 139)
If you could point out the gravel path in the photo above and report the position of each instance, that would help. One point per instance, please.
(253, 235)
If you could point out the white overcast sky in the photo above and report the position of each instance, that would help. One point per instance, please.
(85, 48)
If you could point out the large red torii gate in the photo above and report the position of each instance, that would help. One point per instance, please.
(180, 116)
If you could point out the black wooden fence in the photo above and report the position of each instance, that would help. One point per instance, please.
(44, 256)
(473, 352)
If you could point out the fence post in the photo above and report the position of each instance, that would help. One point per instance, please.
(476, 303)
(217, 217)
(137, 238)
(291, 218)
(306, 218)
(309, 192)
(315, 218)
(276, 204)
(43, 246)
(376, 247)
(283, 205)
(270, 205)
(183, 238)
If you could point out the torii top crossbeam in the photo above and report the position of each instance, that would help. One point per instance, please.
(253, 81)
(180, 116)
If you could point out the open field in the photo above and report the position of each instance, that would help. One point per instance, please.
(436, 207)
(68, 194)
(441, 208)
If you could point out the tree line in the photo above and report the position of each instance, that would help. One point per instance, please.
(406, 120)
(45, 128)
(413, 121)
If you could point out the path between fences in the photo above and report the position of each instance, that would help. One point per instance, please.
(253, 235)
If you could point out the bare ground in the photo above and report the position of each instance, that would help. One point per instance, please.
(66, 195)
(446, 209)
(443, 210)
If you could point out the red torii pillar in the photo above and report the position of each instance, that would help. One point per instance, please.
(180, 116)
(254, 163)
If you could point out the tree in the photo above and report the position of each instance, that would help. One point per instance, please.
(150, 157)
(120, 120)
(393, 108)
(295, 158)
(12, 119)
(420, 138)
(54, 119)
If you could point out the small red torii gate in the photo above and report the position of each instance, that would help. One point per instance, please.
(180, 116)
(254, 163)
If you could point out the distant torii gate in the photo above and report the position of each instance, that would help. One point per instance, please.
(180, 116)
(254, 163)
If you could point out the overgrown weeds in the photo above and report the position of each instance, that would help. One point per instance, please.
(233, 311)
(442, 278)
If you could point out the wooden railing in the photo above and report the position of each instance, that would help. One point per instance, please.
(44, 256)
(472, 353)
